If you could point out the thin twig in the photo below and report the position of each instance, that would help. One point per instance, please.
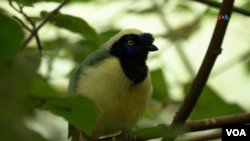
(20, 10)
(22, 23)
(30, 21)
(39, 45)
(46, 19)
(218, 5)
(11, 4)
(34, 30)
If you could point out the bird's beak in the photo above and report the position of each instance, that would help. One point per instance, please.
(150, 48)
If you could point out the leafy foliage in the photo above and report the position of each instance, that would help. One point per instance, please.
(78, 110)
(22, 89)
(10, 42)
(76, 25)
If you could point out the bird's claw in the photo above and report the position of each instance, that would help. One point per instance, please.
(127, 136)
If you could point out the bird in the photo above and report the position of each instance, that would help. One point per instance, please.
(116, 78)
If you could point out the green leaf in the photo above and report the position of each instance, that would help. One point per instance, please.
(76, 25)
(160, 91)
(41, 88)
(11, 37)
(78, 110)
(211, 105)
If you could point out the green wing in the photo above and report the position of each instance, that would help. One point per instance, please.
(91, 60)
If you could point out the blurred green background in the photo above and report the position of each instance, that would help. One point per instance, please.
(33, 89)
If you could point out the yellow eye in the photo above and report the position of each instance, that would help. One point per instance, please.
(130, 42)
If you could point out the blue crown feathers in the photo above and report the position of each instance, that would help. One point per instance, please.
(146, 38)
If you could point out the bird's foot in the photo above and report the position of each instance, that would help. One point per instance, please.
(127, 135)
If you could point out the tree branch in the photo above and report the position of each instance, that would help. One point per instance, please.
(22, 23)
(190, 126)
(211, 123)
(213, 51)
(217, 5)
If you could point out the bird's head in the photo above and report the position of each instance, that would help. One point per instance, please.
(131, 44)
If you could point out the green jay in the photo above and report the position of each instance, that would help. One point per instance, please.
(116, 78)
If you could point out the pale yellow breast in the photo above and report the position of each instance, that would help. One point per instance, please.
(121, 103)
